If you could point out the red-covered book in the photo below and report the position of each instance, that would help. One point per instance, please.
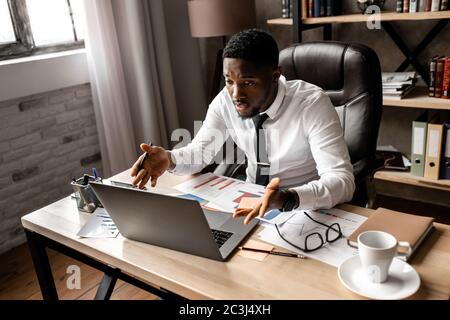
(446, 79)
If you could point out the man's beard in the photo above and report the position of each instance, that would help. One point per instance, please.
(244, 117)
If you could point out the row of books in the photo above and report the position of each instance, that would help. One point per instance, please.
(439, 77)
(411, 6)
(430, 149)
(396, 85)
(313, 8)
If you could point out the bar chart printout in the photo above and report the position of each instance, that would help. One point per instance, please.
(224, 192)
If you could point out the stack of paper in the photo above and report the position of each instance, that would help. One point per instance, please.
(396, 85)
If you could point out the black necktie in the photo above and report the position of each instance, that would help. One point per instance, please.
(262, 165)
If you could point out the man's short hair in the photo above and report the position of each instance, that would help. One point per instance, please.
(253, 45)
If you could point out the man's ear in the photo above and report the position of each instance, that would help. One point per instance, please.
(276, 74)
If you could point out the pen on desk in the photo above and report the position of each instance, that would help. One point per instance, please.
(143, 158)
(278, 253)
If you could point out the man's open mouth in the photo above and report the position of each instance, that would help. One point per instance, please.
(242, 106)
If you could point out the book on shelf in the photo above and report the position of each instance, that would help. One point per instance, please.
(398, 78)
(285, 8)
(399, 8)
(446, 79)
(406, 6)
(396, 85)
(439, 76)
(432, 85)
(310, 8)
(445, 160)
(403, 226)
(421, 6)
(395, 90)
(399, 94)
(435, 5)
(412, 6)
(316, 8)
(322, 8)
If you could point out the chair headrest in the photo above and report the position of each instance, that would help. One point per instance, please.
(343, 70)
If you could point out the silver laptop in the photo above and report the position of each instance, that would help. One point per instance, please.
(171, 222)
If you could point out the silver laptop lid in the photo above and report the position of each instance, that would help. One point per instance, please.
(161, 220)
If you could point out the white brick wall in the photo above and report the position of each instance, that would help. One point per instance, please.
(45, 141)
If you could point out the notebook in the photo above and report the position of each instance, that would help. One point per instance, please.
(403, 226)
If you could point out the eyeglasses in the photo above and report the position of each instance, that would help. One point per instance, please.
(314, 241)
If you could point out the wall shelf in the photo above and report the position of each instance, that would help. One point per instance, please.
(419, 98)
(407, 178)
(300, 23)
(358, 17)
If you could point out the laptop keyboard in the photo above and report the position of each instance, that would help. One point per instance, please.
(221, 236)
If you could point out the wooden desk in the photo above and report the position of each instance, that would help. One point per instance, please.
(195, 277)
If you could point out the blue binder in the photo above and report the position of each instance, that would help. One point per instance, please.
(445, 160)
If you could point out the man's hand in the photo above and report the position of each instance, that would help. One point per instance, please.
(273, 199)
(154, 166)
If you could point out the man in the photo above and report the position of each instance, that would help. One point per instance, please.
(300, 142)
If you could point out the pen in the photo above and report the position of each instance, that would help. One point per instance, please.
(278, 253)
(94, 172)
(143, 159)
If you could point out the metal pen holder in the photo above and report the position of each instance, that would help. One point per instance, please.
(86, 199)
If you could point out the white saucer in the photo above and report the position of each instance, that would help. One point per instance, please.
(402, 280)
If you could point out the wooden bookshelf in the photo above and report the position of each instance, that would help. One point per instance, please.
(359, 17)
(407, 178)
(419, 98)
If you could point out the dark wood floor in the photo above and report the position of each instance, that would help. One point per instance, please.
(18, 280)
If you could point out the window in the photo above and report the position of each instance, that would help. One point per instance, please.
(30, 27)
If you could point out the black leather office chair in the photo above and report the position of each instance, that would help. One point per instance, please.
(351, 75)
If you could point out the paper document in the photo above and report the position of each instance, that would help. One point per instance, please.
(223, 192)
(99, 225)
(299, 226)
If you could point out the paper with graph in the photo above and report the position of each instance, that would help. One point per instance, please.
(299, 226)
(222, 192)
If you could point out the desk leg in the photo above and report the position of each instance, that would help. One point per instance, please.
(106, 287)
(42, 266)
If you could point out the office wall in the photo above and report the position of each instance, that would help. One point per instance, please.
(46, 139)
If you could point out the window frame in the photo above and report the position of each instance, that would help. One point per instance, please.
(24, 45)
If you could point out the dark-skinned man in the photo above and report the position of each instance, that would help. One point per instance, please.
(289, 131)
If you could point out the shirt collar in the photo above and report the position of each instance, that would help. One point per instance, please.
(275, 106)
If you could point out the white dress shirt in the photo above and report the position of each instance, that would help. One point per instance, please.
(304, 142)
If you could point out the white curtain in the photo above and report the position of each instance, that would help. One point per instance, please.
(111, 106)
(131, 67)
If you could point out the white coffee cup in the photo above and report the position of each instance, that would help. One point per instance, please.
(376, 251)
